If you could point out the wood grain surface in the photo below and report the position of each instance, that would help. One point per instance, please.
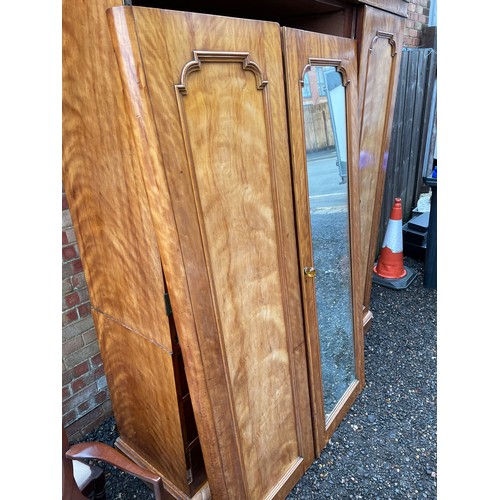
(143, 135)
(105, 192)
(302, 48)
(144, 399)
(119, 251)
(379, 58)
(217, 116)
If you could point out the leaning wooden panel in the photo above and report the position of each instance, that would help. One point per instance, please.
(106, 195)
(145, 402)
(217, 99)
(302, 50)
(379, 57)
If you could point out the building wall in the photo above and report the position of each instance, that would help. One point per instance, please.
(418, 18)
(85, 396)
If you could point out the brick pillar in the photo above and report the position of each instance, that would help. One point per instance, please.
(85, 396)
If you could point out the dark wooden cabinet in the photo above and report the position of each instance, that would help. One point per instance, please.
(184, 164)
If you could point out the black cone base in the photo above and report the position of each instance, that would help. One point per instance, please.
(396, 283)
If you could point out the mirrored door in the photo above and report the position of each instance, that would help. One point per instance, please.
(321, 79)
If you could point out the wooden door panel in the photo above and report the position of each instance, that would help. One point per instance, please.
(303, 50)
(236, 214)
(211, 122)
(376, 99)
(379, 58)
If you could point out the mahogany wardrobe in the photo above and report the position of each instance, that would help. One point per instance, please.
(228, 258)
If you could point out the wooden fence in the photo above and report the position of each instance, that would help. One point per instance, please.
(413, 136)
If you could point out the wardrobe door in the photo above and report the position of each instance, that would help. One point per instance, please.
(208, 113)
(380, 43)
(322, 101)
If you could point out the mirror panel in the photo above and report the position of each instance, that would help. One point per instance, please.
(326, 155)
(322, 99)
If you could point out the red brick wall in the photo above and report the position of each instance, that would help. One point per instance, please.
(418, 17)
(85, 397)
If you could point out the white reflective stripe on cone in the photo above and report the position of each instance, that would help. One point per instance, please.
(394, 236)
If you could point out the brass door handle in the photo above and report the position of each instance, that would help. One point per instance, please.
(310, 272)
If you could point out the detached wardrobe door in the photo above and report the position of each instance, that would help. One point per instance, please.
(379, 64)
(322, 100)
(208, 113)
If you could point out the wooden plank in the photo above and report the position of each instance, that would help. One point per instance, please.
(407, 182)
(394, 157)
(427, 78)
(419, 78)
(426, 152)
(429, 164)
(406, 173)
(402, 176)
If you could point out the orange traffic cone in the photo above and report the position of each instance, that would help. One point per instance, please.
(390, 263)
(390, 270)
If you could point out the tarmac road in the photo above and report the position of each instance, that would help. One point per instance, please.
(326, 192)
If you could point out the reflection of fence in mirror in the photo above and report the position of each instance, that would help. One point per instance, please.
(326, 146)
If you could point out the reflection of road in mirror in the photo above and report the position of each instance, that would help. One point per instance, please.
(326, 192)
(333, 305)
(330, 239)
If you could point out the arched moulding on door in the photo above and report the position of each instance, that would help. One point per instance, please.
(318, 61)
(390, 39)
(207, 56)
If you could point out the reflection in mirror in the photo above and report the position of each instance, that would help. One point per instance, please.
(326, 146)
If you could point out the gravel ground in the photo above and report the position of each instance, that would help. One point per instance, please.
(385, 448)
